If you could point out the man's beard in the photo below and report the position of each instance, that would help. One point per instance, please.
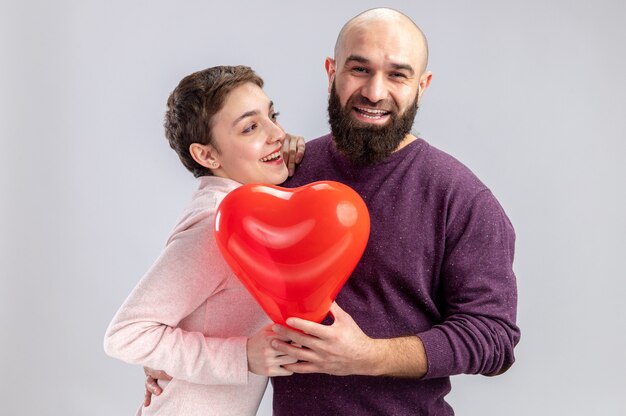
(362, 143)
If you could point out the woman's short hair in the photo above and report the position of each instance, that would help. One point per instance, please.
(194, 102)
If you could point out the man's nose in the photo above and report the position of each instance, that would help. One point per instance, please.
(375, 89)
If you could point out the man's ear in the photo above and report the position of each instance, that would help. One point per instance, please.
(425, 79)
(329, 64)
(205, 154)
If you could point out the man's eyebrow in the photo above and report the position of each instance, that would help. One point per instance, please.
(357, 58)
(250, 114)
(404, 67)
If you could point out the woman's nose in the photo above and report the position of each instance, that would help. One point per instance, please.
(275, 133)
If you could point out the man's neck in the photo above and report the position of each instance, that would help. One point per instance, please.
(407, 139)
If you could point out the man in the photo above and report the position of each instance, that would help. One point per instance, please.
(434, 294)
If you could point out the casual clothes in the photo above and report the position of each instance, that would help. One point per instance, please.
(190, 316)
(438, 265)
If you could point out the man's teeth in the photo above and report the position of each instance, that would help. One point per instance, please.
(371, 113)
(273, 156)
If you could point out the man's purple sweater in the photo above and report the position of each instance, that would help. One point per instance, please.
(438, 265)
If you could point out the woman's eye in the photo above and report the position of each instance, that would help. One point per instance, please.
(250, 128)
(274, 116)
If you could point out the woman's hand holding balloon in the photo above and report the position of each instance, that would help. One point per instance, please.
(263, 359)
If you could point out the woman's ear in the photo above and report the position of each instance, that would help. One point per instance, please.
(205, 154)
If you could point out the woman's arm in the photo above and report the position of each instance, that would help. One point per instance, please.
(144, 331)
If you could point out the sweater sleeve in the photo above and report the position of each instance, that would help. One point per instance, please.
(478, 295)
(144, 330)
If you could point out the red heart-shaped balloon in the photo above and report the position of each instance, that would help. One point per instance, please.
(293, 249)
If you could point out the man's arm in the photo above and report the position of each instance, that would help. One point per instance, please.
(343, 349)
(478, 299)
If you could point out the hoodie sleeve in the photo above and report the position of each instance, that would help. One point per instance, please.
(478, 332)
(144, 330)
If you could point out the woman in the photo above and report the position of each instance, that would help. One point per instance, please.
(189, 315)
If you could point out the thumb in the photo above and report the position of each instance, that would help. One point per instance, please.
(336, 312)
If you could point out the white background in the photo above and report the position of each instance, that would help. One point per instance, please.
(529, 94)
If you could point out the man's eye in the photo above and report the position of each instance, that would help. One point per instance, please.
(250, 128)
(398, 75)
(359, 69)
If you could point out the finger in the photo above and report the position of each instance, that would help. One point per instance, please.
(336, 311)
(273, 335)
(159, 375)
(280, 372)
(281, 337)
(147, 398)
(288, 153)
(152, 386)
(285, 148)
(308, 327)
(286, 359)
(292, 335)
(156, 374)
(300, 149)
(291, 157)
(297, 353)
(293, 144)
(303, 368)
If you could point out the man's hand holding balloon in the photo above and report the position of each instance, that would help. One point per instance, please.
(343, 349)
(338, 349)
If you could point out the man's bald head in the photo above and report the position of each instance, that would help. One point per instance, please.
(384, 16)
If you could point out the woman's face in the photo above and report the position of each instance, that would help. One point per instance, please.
(249, 138)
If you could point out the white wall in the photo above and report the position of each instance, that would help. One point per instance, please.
(529, 94)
